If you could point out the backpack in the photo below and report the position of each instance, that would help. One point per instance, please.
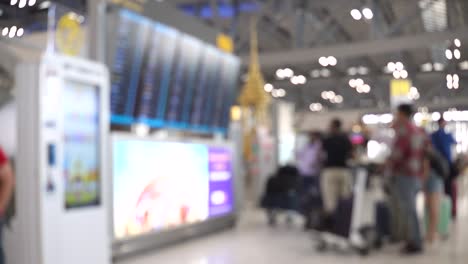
(439, 164)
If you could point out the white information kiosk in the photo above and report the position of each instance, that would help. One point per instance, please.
(61, 191)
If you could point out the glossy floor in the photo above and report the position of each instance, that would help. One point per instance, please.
(253, 242)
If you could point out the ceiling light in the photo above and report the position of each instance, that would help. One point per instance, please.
(457, 54)
(339, 99)
(396, 75)
(404, 74)
(294, 80)
(301, 79)
(463, 65)
(268, 87)
(456, 85)
(363, 70)
(324, 95)
(13, 2)
(399, 66)
(456, 78)
(332, 60)
(352, 71)
(12, 31)
(288, 73)
(315, 73)
(367, 12)
(359, 89)
(436, 116)
(331, 95)
(323, 61)
(366, 88)
(274, 93)
(391, 66)
(426, 67)
(325, 72)
(280, 74)
(315, 107)
(449, 85)
(448, 54)
(457, 42)
(31, 2)
(438, 66)
(22, 3)
(281, 92)
(20, 32)
(359, 82)
(44, 5)
(356, 14)
(352, 83)
(5, 31)
(449, 78)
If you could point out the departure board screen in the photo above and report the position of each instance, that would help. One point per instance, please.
(154, 84)
(125, 64)
(167, 79)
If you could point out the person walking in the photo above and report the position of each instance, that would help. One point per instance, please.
(407, 164)
(6, 191)
(336, 180)
(443, 143)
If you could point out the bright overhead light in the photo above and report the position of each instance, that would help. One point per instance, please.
(391, 66)
(22, 3)
(315, 73)
(316, 107)
(45, 5)
(325, 72)
(399, 66)
(281, 92)
(438, 66)
(20, 32)
(396, 74)
(5, 31)
(426, 67)
(366, 88)
(12, 31)
(294, 80)
(288, 73)
(457, 42)
(268, 87)
(359, 89)
(339, 99)
(449, 78)
(301, 79)
(359, 82)
(456, 85)
(448, 54)
(332, 60)
(352, 83)
(352, 71)
(457, 54)
(331, 95)
(13, 2)
(456, 78)
(31, 2)
(356, 14)
(323, 61)
(463, 65)
(367, 12)
(450, 85)
(436, 116)
(280, 74)
(324, 95)
(404, 74)
(363, 70)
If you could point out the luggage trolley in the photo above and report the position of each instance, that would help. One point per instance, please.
(359, 229)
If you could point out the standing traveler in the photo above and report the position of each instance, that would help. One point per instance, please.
(6, 190)
(407, 163)
(443, 143)
(309, 161)
(336, 180)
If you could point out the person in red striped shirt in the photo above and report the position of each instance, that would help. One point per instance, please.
(6, 191)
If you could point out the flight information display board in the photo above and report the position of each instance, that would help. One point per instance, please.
(167, 79)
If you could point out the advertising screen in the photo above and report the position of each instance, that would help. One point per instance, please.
(164, 185)
(81, 162)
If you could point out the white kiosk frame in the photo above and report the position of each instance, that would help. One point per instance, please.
(45, 231)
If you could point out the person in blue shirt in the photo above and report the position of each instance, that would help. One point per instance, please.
(443, 143)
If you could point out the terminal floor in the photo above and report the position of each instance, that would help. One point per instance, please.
(252, 241)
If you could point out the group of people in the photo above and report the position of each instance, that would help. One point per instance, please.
(418, 162)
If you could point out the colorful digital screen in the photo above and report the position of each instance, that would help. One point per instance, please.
(163, 185)
(81, 164)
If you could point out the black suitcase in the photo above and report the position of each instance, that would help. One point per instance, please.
(342, 218)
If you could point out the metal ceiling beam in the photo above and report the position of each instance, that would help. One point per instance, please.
(304, 56)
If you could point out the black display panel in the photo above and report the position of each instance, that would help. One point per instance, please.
(229, 85)
(125, 65)
(154, 84)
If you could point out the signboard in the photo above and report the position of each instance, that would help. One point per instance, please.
(399, 92)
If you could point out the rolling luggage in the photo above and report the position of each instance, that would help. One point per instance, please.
(445, 217)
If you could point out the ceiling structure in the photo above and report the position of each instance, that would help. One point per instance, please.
(295, 34)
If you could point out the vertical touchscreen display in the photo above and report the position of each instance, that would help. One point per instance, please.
(81, 162)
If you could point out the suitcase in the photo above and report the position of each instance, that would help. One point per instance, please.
(445, 217)
(343, 217)
(382, 221)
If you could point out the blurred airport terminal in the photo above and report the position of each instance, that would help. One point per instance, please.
(233, 131)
